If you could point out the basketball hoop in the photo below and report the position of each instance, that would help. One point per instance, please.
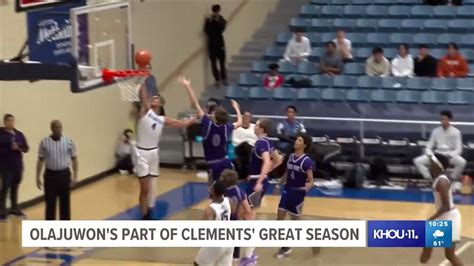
(129, 82)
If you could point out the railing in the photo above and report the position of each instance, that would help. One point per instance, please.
(363, 121)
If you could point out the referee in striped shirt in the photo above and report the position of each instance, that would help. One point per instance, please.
(57, 152)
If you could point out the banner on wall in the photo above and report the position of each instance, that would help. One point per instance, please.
(50, 32)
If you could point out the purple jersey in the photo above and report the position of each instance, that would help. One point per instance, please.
(236, 196)
(262, 145)
(215, 139)
(296, 170)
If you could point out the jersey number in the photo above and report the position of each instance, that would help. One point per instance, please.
(224, 216)
(153, 126)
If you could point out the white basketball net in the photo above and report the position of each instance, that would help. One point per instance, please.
(130, 87)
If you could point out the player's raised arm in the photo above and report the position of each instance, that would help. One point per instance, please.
(179, 123)
(192, 96)
(236, 107)
(144, 100)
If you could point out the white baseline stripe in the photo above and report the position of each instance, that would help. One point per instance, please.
(460, 250)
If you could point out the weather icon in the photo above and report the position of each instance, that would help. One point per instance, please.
(438, 233)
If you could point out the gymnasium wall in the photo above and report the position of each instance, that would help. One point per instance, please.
(93, 120)
(171, 30)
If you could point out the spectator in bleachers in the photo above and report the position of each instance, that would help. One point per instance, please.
(298, 48)
(402, 65)
(331, 62)
(243, 139)
(245, 133)
(425, 64)
(453, 64)
(377, 65)
(344, 46)
(288, 129)
(446, 140)
(273, 79)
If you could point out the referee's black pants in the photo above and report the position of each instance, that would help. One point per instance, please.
(57, 185)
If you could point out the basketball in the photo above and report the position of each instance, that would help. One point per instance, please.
(142, 58)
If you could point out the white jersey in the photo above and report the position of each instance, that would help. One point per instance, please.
(452, 215)
(437, 196)
(222, 210)
(149, 130)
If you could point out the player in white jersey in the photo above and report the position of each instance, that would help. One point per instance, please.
(445, 208)
(146, 154)
(218, 210)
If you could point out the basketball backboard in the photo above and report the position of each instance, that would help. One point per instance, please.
(100, 39)
(73, 40)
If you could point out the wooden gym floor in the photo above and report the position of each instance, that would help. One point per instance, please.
(181, 197)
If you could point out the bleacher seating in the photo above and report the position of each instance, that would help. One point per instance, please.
(372, 83)
(369, 23)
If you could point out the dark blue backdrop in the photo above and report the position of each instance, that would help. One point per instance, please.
(49, 33)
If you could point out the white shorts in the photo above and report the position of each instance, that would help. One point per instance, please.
(455, 217)
(146, 162)
(221, 256)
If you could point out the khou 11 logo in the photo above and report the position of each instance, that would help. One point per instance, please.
(438, 234)
(396, 233)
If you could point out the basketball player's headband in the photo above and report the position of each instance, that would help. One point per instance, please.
(437, 162)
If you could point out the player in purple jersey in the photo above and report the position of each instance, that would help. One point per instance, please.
(299, 180)
(216, 132)
(264, 159)
(238, 201)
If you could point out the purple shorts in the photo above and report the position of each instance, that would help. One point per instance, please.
(292, 201)
(215, 169)
(255, 197)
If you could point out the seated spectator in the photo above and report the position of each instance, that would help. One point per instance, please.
(446, 140)
(453, 64)
(425, 64)
(273, 79)
(123, 152)
(288, 129)
(377, 65)
(245, 133)
(243, 139)
(298, 48)
(344, 46)
(402, 65)
(331, 62)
